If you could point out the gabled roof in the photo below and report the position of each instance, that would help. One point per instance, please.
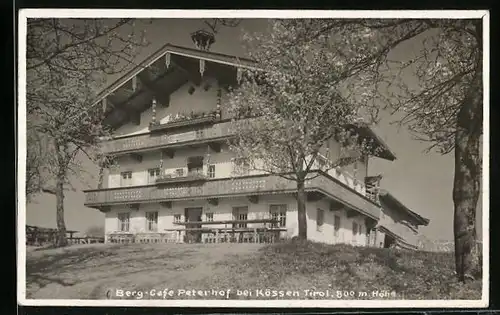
(178, 50)
(217, 58)
(389, 199)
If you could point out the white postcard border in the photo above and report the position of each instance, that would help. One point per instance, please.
(24, 14)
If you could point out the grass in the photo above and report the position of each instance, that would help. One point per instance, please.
(98, 271)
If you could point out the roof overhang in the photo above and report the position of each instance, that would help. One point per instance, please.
(394, 203)
(122, 100)
(382, 150)
(159, 75)
(181, 51)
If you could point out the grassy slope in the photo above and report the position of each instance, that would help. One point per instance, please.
(92, 272)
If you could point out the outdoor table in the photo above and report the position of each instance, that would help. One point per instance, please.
(227, 231)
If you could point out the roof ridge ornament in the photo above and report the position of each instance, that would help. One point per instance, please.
(203, 40)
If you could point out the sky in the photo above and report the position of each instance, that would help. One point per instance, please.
(422, 181)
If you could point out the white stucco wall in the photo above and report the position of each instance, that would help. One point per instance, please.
(224, 165)
(223, 211)
(326, 234)
(202, 101)
(181, 102)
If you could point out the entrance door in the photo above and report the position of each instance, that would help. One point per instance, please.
(193, 215)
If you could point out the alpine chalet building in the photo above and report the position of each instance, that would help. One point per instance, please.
(174, 178)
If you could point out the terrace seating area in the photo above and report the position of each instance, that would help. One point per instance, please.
(234, 231)
(40, 236)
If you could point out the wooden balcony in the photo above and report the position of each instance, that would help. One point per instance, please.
(154, 141)
(189, 178)
(322, 185)
(206, 120)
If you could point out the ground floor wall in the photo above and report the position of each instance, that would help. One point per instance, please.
(347, 230)
(321, 222)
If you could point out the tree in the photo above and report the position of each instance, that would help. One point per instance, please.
(66, 60)
(64, 142)
(288, 109)
(437, 93)
(34, 161)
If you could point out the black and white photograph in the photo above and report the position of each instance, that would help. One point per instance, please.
(222, 158)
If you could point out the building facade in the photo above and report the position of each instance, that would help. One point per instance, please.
(172, 163)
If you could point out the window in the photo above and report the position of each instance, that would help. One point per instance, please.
(211, 171)
(195, 165)
(200, 133)
(126, 178)
(320, 217)
(241, 166)
(123, 222)
(152, 221)
(278, 213)
(354, 232)
(153, 174)
(179, 172)
(177, 218)
(240, 213)
(209, 217)
(336, 226)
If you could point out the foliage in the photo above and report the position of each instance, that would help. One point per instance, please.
(288, 110)
(56, 103)
(81, 45)
(65, 62)
(191, 116)
(436, 92)
(427, 85)
(66, 59)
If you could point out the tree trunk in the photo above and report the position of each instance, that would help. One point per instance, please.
(466, 186)
(60, 179)
(61, 226)
(301, 209)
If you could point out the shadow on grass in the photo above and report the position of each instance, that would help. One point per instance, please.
(69, 266)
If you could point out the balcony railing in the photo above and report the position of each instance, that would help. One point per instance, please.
(348, 180)
(218, 188)
(155, 141)
(183, 123)
(190, 177)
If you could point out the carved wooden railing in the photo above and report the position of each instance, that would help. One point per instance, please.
(217, 188)
(209, 119)
(157, 140)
